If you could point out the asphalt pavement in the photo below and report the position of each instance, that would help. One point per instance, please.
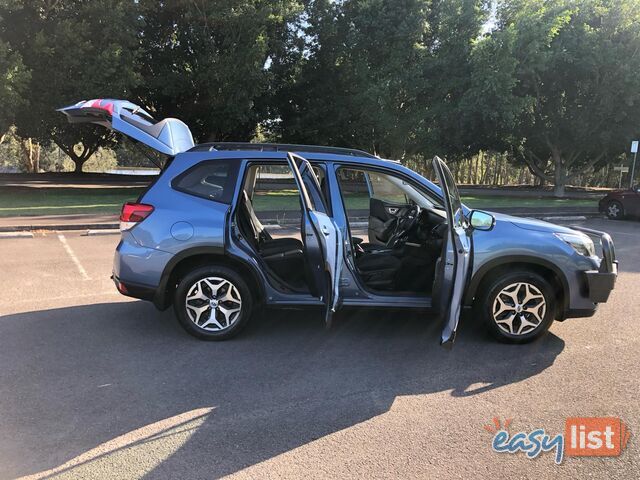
(96, 385)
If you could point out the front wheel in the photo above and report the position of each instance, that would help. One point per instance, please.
(213, 303)
(517, 307)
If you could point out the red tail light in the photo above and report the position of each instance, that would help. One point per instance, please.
(132, 214)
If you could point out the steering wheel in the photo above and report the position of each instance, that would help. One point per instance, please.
(404, 225)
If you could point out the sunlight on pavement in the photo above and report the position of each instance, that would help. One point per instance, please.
(133, 454)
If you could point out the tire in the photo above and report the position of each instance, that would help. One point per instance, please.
(517, 322)
(615, 210)
(208, 288)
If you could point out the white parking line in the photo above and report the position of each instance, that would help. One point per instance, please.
(73, 257)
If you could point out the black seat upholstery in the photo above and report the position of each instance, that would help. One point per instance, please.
(263, 241)
(285, 256)
(378, 269)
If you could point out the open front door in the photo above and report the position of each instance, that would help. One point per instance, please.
(456, 258)
(320, 235)
(169, 136)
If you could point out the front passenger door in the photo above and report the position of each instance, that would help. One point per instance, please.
(456, 257)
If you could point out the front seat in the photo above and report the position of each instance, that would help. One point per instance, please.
(378, 269)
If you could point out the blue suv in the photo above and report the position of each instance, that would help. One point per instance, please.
(227, 227)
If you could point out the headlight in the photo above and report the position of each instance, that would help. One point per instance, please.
(581, 243)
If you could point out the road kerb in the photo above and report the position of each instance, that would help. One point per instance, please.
(102, 231)
(16, 234)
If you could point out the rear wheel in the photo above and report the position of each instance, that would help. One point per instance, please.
(213, 303)
(517, 307)
(615, 210)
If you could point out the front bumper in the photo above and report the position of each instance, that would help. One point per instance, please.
(600, 282)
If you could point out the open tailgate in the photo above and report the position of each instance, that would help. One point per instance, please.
(169, 136)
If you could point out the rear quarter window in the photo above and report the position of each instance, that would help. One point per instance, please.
(212, 179)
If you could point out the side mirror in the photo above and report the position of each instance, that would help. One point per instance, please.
(480, 220)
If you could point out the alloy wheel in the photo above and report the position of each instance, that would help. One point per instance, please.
(519, 308)
(613, 210)
(213, 304)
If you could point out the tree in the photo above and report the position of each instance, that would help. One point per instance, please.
(13, 79)
(73, 50)
(557, 81)
(353, 84)
(385, 76)
(208, 63)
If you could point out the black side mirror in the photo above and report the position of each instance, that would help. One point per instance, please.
(480, 220)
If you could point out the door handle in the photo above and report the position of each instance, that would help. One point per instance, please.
(393, 210)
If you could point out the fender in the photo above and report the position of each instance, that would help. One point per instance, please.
(503, 260)
(160, 299)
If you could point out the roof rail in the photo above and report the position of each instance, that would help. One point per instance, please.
(279, 147)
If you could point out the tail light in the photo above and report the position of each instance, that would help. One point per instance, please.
(132, 214)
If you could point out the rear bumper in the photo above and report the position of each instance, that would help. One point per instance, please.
(136, 269)
(135, 290)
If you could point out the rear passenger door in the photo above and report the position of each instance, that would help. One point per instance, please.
(320, 235)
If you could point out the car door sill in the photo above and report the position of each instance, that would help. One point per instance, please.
(397, 302)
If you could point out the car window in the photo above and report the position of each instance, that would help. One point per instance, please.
(358, 185)
(211, 179)
(384, 189)
(275, 190)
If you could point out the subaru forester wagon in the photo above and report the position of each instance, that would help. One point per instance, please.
(227, 227)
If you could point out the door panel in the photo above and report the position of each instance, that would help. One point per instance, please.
(169, 136)
(320, 234)
(455, 262)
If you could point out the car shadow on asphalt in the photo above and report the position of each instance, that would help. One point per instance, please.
(75, 378)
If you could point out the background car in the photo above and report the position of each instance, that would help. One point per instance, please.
(621, 203)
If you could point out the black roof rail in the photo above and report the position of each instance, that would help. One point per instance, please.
(279, 147)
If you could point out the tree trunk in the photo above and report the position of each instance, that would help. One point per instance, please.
(30, 155)
(559, 174)
(78, 165)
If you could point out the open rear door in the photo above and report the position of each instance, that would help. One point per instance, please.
(323, 248)
(169, 136)
(456, 260)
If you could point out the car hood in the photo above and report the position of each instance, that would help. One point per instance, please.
(531, 224)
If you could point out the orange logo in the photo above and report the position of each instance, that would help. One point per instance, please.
(595, 436)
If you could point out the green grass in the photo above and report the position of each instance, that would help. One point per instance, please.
(489, 202)
(289, 201)
(15, 201)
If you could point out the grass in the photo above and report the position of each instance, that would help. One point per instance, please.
(492, 201)
(361, 202)
(15, 201)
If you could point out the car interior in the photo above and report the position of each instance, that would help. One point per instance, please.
(397, 251)
(405, 231)
(271, 190)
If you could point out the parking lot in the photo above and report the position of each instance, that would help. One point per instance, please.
(95, 384)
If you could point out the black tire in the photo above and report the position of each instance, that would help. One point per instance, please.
(237, 321)
(615, 210)
(496, 285)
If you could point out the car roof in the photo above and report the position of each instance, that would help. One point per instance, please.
(242, 151)
(280, 147)
(365, 159)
